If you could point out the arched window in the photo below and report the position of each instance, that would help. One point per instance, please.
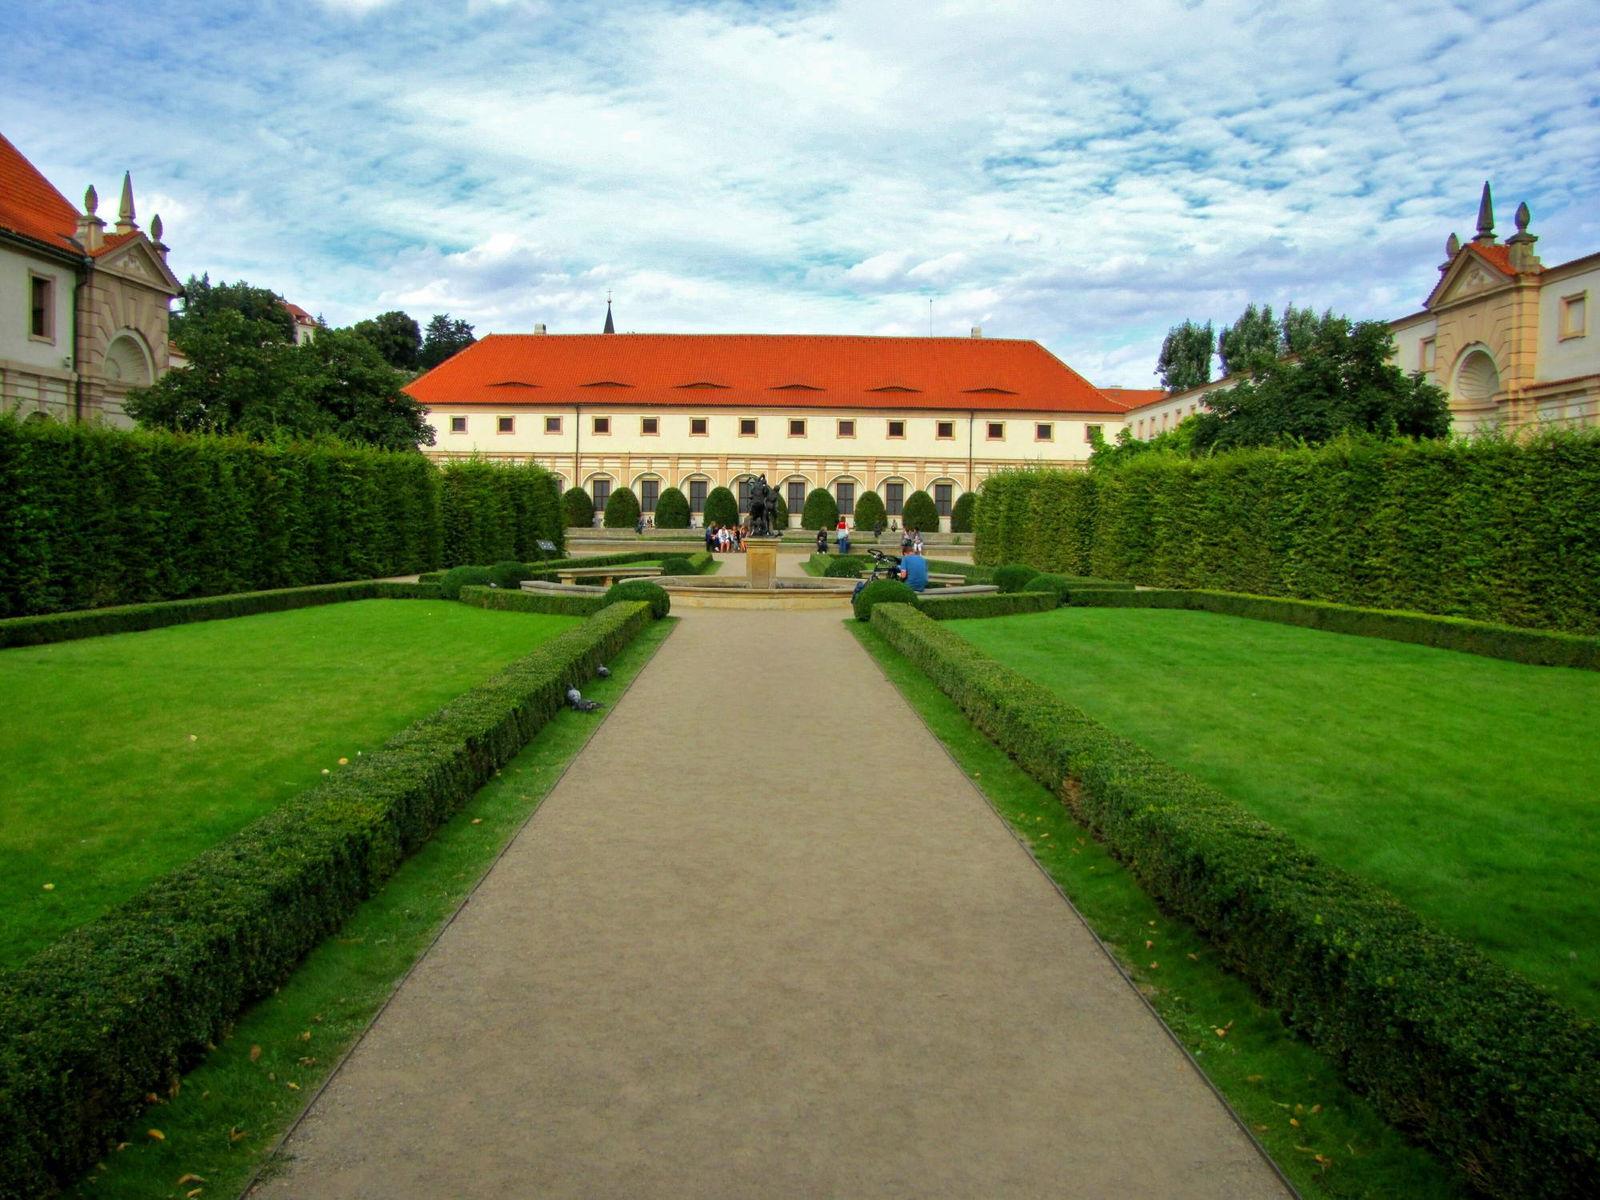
(795, 490)
(894, 491)
(600, 491)
(844, 494)
(696, 487)
(648, 489)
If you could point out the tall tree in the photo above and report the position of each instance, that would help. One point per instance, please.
(1342, 381)
(1300, 327)
(1250, 340)
(357, 394)
(443, 339)
(396, 336)
(1185, 360)
(203, 299)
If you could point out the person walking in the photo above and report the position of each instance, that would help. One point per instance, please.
(844, 536)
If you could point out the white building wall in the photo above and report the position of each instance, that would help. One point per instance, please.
(18, 347)
(1565, 356)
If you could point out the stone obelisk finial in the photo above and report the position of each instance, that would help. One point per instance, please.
(1485, 218)
(125, 221)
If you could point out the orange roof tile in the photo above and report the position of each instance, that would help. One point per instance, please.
(30, 205)
(1497, 256)
(300, 315)
(760, 371)
(1127, 398)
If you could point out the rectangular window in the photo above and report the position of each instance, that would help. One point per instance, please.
(894, 498)
(747, 427)
(458, 424)
(797, 496)
(997, 431)
(1426, 355)
(797, 427)
(505, 425)
(649, 492)
(941, 497)
(847, 428)
(552, 424)
(897, 429)
(697, 496)
(697, 428)
(1043, 431)
(650, 426)
(845, 492)
(1575, 315)
(602, 493)
(946, 431)
(42, 307)
(1090, 432)
(602, 425)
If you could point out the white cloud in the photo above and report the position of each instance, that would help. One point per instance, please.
(1075, 172)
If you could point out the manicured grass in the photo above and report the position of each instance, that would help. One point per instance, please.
(234, 1106)
(1326, 1139)
(127, 755)
(1468, 787)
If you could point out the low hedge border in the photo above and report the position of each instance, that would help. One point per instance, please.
(1486, 1068)
(119, 1007)
(560, 604)
(994, 604)
(130, 618)
(1536, 647)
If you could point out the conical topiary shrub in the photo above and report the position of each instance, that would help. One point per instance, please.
(920, 513)
(672, 510)
(721, 507)
(870, 511)
(821, 510)
(962, 511)
(577, 509)
(622, 509)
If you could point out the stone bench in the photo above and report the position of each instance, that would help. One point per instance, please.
(563, 589)
(605, 576)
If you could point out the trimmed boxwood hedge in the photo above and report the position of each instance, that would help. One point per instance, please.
(821, 510)
(559, 604)
(1488, 1069)
(458, 577)
(1013, 577)
(961, 512)
(130, 618)
(652, 594)
(1535, 646)
(843, 566)
(622, 509)
(991, 604)
(881, 591)
(1493, 530)
(672, 509)
(120, 1006)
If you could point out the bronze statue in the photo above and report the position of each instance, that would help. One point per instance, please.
(763, 508)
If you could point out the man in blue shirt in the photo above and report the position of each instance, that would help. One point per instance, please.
(914, 570)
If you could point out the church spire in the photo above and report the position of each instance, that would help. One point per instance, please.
(610, 328)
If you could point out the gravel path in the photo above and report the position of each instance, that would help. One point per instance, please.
(766, 940)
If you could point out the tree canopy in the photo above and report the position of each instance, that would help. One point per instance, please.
(1185, 360)
(1253, 338)
(246, 376)
(395, 336)
(444, 338)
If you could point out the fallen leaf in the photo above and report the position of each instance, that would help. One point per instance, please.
(305, 1035)
(190, 1177)
(293, 1086)
(155, 1135)
(1254, 1078)
(344, 762)
(1261, 1128)
(49, 887)
(1194, 957)
(1148, 944)
(325, 771)
(477, 820)
(255, 1053)
(190, 1195)
(1155, 966)
(121, 1146)
(1315, 1109)
(1295, 1121)
(235, 1134)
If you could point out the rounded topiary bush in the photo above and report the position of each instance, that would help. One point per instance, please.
(641, 589)
(721, 507)
(456, 578)
(920, 513)
(622, 509)
(577, 509)
(842, 566)
(1059, 585)
(882, 591)
(677, 564)
(672, 510)
(870, 512)
(1013, 577)
(509, 574)
(821, 510)
(961, 513)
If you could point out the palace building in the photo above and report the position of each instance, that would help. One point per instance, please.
(651, 411)
(83, 310)
(1504, 335)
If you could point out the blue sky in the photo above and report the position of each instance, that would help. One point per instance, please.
(1086, 174)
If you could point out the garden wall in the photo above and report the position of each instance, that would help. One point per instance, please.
(94, 517)
(1492, 530)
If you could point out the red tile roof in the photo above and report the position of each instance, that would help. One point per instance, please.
(30, 205)
(300, 315)
(1497, 256)
(1126, 398)
(760, 371)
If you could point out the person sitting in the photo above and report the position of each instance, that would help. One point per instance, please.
(711, 537)
(914, 570)
(916, 543)
(906, 540)
(822, 541)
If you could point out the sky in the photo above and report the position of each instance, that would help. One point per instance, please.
(1086, 174)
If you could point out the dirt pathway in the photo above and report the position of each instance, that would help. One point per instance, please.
(765, 940)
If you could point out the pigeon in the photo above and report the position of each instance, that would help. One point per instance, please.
(577, 703)
(603, 671)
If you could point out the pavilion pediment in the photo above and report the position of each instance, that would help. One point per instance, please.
(138, 261)
(1467, 276)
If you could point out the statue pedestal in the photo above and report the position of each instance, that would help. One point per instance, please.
(761, 561)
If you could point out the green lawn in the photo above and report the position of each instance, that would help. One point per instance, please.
(1467, 786)
(127, 755)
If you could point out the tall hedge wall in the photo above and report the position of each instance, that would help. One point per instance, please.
(94, 517)
(1489, 529)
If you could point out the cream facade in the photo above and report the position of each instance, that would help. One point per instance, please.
(1510, 341)
(83, 312)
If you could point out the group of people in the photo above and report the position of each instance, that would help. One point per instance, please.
(910, 540)
(725, 539)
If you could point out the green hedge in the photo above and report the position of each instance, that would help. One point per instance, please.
(992, 604)
(1492, 530)
(1494, 1074)
(622, 509)
(672, 510)
(961, 512)
(560, 604)
(821, 510)
(93, 517)
(117, 1008)
(130, 618)
(1535, 646)
(577, 508)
